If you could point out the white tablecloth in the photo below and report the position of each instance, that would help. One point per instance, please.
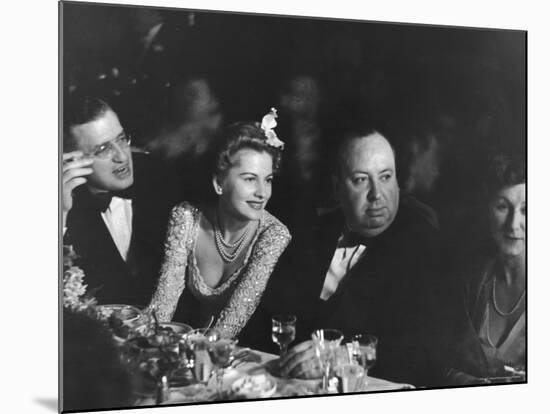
(259, 363)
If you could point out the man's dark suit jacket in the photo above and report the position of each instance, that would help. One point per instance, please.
(109, 278)
(391, 292)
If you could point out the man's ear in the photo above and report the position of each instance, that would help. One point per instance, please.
(217, 187)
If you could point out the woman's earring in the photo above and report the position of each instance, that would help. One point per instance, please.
(219, 190)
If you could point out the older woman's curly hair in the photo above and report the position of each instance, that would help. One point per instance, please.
(238, 136)
(504, 171)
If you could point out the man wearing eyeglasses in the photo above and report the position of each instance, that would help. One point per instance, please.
(114, 222)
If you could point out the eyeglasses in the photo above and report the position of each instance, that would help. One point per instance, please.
(107, 150)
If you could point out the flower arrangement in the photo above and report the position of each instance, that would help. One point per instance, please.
(74, 289)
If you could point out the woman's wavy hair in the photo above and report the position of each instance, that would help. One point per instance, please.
(504, 171)
(238, 136)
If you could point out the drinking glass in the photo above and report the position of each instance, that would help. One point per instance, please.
(350, 377)
(348, 373)
(283, 331)
(326, 342)
(222, 355)
(363, 350)
(195, 352)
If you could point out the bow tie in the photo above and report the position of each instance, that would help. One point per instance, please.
(352, 239)
(102, 200)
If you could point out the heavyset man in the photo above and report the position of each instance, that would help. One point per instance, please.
(370, 266)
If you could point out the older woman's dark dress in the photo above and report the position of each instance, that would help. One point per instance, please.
(478, 355)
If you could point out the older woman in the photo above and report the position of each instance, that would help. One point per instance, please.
(492, 347)
(218, 258)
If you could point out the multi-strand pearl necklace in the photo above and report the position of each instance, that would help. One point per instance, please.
(230, 251)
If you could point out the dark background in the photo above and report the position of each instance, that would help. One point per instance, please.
(466, 86)
(407, 72)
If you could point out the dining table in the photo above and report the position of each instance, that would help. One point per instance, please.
(249, 362)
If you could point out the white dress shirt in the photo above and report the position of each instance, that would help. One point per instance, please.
(345, 257)
(118, 219)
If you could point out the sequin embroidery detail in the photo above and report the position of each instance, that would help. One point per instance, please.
(250, 280)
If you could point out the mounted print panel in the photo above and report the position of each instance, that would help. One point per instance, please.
(272, 207)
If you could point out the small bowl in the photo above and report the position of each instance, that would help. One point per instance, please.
(254, 386)
(126, 313)
(177, 327)
(120, 319)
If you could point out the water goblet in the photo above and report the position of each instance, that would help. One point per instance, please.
(283, 331)
(326, 342)
(350, 377)
(222, 354)
(195, 349)
(348, 373)
(363, 350)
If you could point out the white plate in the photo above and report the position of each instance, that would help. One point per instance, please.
(230, 375)
(254, 386)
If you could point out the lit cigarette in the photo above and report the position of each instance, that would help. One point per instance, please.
(139, 150)
(75, 158)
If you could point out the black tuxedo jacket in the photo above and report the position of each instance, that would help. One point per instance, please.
(392, 292)
(109, 278)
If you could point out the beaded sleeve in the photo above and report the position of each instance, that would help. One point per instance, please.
(176, 252)
(245, 299)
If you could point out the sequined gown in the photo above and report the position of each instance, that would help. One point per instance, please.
(233, 302)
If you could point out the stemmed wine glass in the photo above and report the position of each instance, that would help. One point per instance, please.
(326, 342)
(222, 354)
(283, 331)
